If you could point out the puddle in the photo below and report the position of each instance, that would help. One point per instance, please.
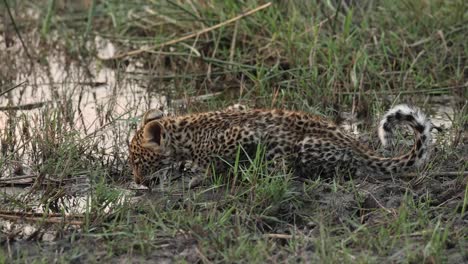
(91, 104)
(93, 100)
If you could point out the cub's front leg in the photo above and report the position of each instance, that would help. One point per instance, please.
(201, 170)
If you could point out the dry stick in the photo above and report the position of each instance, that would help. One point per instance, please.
(14, 180)
(54, 220)
(40, 217)
(18, 178)
(203, 31)
(30, 106)
(12, 88)
(33, 214)
(90, 83)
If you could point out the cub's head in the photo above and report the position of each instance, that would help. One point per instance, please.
(148, 153)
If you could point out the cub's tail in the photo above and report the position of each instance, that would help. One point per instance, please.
(421, 125)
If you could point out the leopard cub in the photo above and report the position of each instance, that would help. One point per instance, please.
(307, 143)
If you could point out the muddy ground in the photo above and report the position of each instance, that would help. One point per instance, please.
(372, 203)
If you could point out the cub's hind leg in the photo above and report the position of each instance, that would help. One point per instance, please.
(321, 157)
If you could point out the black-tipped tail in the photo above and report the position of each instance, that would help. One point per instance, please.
(419, 154)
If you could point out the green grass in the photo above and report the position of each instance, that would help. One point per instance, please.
(300, 50)
(322, 57)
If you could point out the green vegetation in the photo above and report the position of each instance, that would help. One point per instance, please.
(323, 57)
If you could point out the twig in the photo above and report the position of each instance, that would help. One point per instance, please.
(17, 31)
(203, 31)
(14, 181)
(52, 220)
(18, 178)
(32, 214)
(41, 217)
(92, 84)
(23, 107)
(12, 88)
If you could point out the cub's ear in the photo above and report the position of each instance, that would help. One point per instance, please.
(153, 135)
(152, 114)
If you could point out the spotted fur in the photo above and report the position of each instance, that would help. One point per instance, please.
(308, 143)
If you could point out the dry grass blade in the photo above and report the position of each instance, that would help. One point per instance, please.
(279, 236)
(17, 30)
